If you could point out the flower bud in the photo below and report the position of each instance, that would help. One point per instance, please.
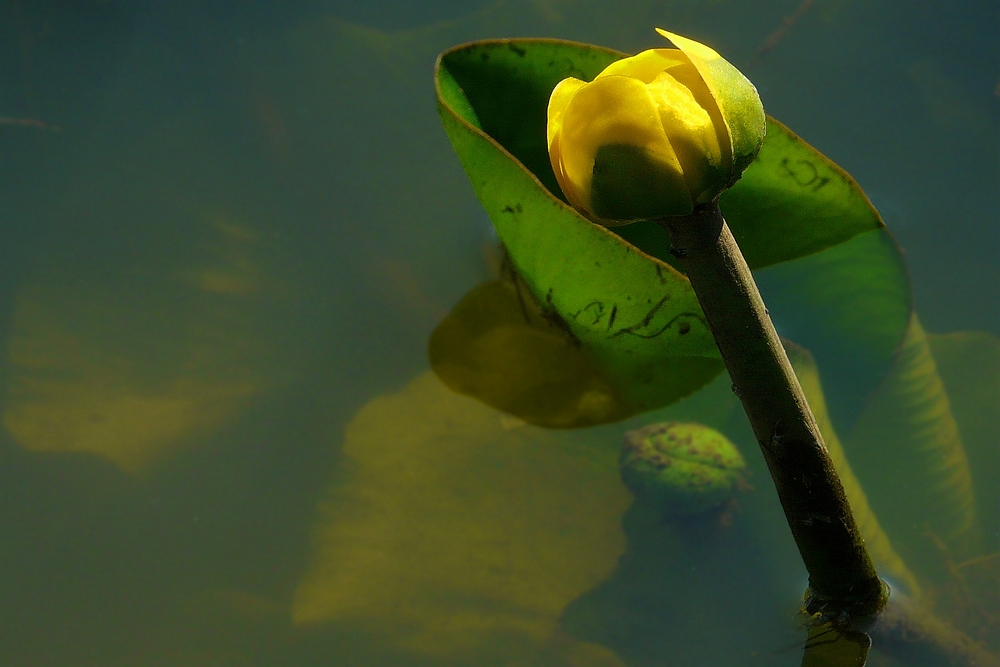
(653, 135)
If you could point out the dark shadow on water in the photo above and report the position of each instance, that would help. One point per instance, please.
(675, 594)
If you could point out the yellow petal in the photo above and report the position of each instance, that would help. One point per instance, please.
(692, 134)
(573, 192)
(693, 77)
(691, 48)
(617, 110)
(645, 66)
(558, 101)
(738, 104)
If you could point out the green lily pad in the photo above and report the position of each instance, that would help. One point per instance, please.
(792, 200)
(850, 306)
(626, 309)
(615, 293)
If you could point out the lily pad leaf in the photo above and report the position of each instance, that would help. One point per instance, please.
(615, 294)
(850, 305)
(794, 201)
(613, 299)
(496, 346)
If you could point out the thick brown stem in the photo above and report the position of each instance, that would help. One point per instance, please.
(843, 584)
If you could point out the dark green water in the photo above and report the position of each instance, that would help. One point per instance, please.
(227, 231)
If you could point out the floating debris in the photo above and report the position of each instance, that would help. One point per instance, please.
(772, 40)
(29, 122)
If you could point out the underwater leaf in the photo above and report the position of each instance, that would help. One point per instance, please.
(969, 366)
(459, 530)
(155, 314)
(908, 444)
(496, 346)
(850, 307)
(887, 561)
(132, 371)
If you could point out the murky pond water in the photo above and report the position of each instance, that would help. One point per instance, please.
(227, 233)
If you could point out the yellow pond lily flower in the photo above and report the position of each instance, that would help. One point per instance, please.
(653, 135)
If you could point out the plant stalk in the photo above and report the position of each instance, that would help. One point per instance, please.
(844, 588)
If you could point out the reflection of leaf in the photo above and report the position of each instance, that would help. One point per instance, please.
(133, 371)
(916, 472)
(498, 348)
(969, 366)
(886, 559)
(457, 527)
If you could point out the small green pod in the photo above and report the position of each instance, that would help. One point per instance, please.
(680, 467)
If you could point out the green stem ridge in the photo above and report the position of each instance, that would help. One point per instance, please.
(844, 587)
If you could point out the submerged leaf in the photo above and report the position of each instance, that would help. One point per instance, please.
(459, 526)
(908, 444)
(134, 370)
(849, 306)
(828, 646)
(969, 366)
(496, 346)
